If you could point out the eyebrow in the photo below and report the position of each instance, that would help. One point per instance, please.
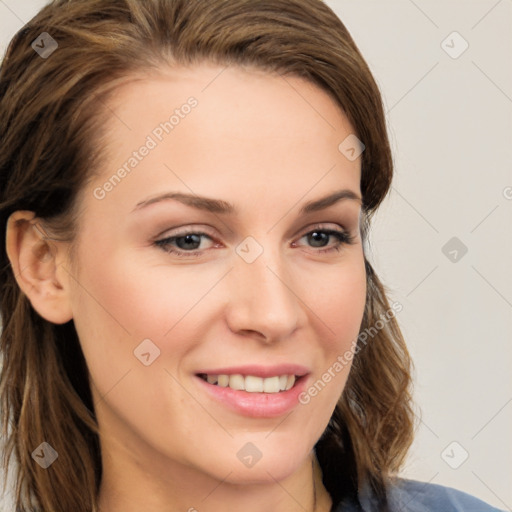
(224, 207)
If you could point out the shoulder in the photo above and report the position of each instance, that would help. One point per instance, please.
(414, 496)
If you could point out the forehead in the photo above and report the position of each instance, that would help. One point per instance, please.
(220, 131)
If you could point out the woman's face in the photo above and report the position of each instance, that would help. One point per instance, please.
(243, 279)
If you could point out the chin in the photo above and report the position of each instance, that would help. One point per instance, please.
(258, 460)
(261, 473)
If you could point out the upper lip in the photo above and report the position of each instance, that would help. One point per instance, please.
(258, 370)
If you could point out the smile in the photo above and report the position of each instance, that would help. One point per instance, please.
(251, 383)
(253, 390)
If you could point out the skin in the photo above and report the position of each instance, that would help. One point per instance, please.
(268, 145)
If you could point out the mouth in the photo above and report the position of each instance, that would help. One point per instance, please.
(255, 391)
(252, 383)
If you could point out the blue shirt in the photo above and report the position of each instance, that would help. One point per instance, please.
(414, 496)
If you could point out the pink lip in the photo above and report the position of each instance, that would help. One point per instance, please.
(257, 405)
(259, 371)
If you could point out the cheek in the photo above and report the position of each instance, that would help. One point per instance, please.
(120, 301)
(128, 295)
(339, 308)
(339, 302)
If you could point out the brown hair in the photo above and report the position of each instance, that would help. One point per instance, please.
(51, 111)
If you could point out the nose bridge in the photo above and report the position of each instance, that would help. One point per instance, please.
(261, 292)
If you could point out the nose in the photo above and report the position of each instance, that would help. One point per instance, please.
(262, 298)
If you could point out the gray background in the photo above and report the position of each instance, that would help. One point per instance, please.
(450, 122)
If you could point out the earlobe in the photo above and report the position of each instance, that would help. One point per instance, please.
(35, 259)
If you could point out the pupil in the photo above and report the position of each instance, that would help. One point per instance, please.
(317, 237)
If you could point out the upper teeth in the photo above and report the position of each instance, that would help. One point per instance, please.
(253, 384)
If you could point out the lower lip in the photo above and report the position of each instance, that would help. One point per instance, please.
(256, 405)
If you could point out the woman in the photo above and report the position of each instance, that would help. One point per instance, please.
(190, 321)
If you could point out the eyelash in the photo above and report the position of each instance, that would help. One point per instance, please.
(344, 238)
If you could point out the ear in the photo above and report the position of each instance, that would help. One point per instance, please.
(36, 261)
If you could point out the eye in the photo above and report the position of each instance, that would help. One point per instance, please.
(186, 242)
(320, 235)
